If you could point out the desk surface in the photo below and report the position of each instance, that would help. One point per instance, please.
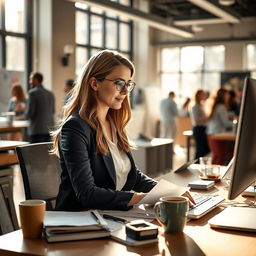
(10, 144)
(230, 136)
(198, 238)
(151, 143)
(17, 125)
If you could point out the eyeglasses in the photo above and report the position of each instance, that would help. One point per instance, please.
(121, 85)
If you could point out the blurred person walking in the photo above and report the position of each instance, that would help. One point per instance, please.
(199, 122)
(218, 123)
(169, 113)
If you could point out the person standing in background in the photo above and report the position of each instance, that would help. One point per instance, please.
(199, 122)
(169, 112)
(18, 102)
(185, 110)
(40, 112)
(219, 122)
(69, 84)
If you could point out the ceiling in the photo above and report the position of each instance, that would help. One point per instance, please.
(191, 10)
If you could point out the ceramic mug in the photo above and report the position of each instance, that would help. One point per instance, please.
(171, 212)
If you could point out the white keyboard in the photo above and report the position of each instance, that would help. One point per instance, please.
(203, 205)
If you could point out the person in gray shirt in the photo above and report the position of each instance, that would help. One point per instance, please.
(169, 112)
(219, 122)
(199, 122)
(40, 111)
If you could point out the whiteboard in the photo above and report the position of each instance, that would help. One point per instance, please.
(7, 78)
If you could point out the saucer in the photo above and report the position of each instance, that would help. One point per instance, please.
(208, 178)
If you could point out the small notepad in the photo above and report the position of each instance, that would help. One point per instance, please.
(201, 184)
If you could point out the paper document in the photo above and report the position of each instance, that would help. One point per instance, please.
(163, 188)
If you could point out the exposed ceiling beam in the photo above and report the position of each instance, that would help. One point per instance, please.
(213, 8)
(137, 15)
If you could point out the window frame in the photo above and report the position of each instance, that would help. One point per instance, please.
(27, 36)
(179, 72)
(90, 47)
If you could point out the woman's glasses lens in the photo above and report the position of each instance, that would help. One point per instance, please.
(121, 85)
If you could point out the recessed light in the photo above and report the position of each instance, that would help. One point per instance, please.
(226, 2)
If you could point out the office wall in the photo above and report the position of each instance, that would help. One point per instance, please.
(63, 31)
(52, 30)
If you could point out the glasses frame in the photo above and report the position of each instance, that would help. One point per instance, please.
(126, 85)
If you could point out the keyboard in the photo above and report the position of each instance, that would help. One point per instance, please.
(204, 204)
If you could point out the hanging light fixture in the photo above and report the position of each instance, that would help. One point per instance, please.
(226, 2)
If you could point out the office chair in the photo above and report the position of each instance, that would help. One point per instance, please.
(8, 218)
(40, 172)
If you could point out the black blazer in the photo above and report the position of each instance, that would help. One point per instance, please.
(88, 179)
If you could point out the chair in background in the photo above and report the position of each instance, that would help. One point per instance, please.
(40, 172)
(8, 218)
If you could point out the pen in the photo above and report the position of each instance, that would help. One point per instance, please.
(95, 216)
(110, 217)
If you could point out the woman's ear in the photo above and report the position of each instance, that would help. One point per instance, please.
(93, 83)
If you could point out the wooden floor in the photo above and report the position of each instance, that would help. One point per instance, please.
(179, 158)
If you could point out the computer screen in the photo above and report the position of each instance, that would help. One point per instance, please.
(244, 164)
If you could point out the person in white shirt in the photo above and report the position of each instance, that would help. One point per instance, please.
(218, 123)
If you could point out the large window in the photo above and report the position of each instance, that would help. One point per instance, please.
(186, 69)
(97, 30)
(15, 35)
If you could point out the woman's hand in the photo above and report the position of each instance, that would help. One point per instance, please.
(136, 198)
(191, 200)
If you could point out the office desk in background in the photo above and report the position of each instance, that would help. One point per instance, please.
(7, 152)
(16, 126)
(227, 136)
(153, 157)
(198, 238)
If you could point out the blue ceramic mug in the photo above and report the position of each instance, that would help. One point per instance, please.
(171, 212)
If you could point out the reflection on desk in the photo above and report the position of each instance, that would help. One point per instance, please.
(198, 238)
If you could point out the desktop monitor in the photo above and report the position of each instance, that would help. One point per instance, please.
(244, 164)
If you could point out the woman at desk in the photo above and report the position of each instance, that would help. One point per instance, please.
(98, 170)
(219, 122)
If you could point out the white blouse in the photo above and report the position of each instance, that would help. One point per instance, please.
(121, 160)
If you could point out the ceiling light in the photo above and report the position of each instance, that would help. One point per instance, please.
(226, 2)
(197, 28)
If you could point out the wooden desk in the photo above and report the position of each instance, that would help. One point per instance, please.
(17, 126)
(198, 238)
(9, 158)
(228, 136)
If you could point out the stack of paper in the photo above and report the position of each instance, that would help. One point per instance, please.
(68, 226)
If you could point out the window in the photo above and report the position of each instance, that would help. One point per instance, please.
(186, 69)
(251, 59)
(97, 30)
(15, 34)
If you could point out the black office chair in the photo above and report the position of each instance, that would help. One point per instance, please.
(8, 218)
(40, 172)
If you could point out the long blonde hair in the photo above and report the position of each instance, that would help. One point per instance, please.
(84, 100)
